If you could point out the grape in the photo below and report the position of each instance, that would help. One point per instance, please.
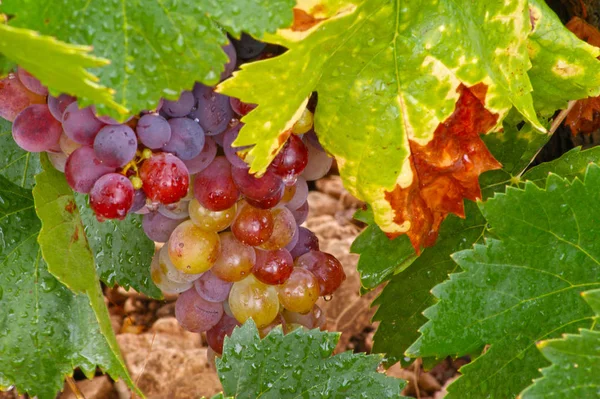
(80, 124)
(187, 138)
(231, 152)
(31, 83)
(318, 165)
(214, 187)
(227, 309)
(315, 318)
(213, 110)
(165, 178)
(267, 202)
(181, 107)
(273, 267)
(291, 160)
(230, 66)
(218, 138)
(239, 107)
(262, 190)
(153, 131)
(178, 211)
(14, 97)
(301, 213)
(252, 226)
(236, 259)
(83, 169)
(193, 250)
(57, 105)
(115, 145)
(304, 124)
(294, 240)
(162, 281)
(307, 241)
(111, 196)
(171, 272)
(35, 129)
(284, 227)
(249, 298)
(211, 220)
(158, 227)
(212, 288)
(216, 335)
(325, 267)
(248, 47)
(58, 160)
(139, 201)
(311, 138)
(278, 322)
(202, 160)
(300, 194)
(67, 146)
(196, 314)
(299, 292)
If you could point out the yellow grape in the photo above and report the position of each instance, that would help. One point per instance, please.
(300, 291)
(250, 298)
(236, 260)
(191, 249)
(162, 281)
(304, 124)
(209, 220)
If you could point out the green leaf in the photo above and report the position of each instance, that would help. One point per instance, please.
(19, 166)
(298, 364)
(121, 250)
(569, 165)
(156, 48)
(61, 66)
(575, 370)
(47, 331)
(368, 64)
(65, 248)
(411, 288)
(518, 290)
(563, 67)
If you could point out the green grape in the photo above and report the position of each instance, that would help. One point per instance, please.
(236, 259)
(250, 298)
(299, 292)
(191, 249)
(209, 220)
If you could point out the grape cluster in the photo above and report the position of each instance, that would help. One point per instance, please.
(230, 242)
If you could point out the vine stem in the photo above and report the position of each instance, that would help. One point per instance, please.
(555, 124)
(76, 391)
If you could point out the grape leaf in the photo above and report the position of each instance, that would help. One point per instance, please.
(520, 289)
(563, 67)
(47, 330)
(64, 245)
(569, 165)
(60, 65)
(19, 166)
(431, 95)
(121, 250)
(298, 364)
(398, 327)
(575, 372)
(156, 48)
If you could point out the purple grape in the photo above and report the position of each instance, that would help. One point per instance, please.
(248, 47)
(231, 135)
(57, 105)
(218, 138)
(83, 169)
(213, 111)
(153, 131)
(80, 124)
(212, 288)
(199, 163)
(31, 82)
(181, 107)
(300, 194)
(178, 211)
(36, 130)
(295, 239)
(115, 145)
(187, 138)
(158, 227)
(318, 165)
(230, 66)
(139, 201)
(307, 241)
(301, 213)
(196, 314)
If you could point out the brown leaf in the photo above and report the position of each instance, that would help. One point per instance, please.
(447, 169)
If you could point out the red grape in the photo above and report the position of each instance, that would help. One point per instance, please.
(236, 259)
(216, 335)
(83, 169)
(214, 187)
(165, 178)
(291, 159)
(325, 267)
(257, 188)
(307, 241)
(31, 82)
(196, 314)
(252, 226)
(273, 267)
(239, 107)
(284, 227)
(35, 129)
(111, 196)
(57, 105)
(14, 97)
